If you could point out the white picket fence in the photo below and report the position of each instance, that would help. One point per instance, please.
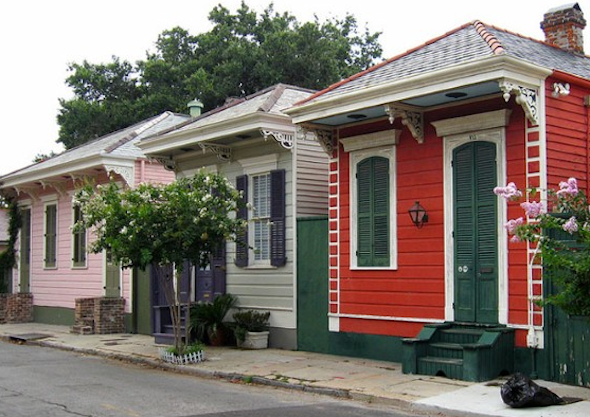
(194, 357)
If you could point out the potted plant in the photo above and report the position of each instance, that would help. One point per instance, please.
(208, 319)
(251, 329)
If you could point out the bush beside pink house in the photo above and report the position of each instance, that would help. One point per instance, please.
(53, 265)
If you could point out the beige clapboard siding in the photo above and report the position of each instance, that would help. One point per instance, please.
(267, 288)
(312, 179)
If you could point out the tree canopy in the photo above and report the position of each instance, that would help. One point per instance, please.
(243, 53)
(163, 225)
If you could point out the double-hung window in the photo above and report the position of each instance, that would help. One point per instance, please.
(50, 235)
(263, 241)
(78, 240)
(261, 217)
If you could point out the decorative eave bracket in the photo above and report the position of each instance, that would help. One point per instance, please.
(527, 98)
(58, 186)
(33, 192)
(323, 136)
(223, 152)
(413, 120)
(284, 139)
(126, 172)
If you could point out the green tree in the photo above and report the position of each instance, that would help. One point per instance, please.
(243, 53)
(162, 225)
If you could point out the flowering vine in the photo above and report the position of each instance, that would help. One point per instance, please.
(560, 229)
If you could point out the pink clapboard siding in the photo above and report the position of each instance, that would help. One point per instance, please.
(153, 172)
(61, 285)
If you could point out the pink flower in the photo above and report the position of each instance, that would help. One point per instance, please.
(533, 209)
(515, 239)
(571, 226)
(569, 187)
(511, 225)
(510, 192)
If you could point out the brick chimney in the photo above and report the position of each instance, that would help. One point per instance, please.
(563, 27)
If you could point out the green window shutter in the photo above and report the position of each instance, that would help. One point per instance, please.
(79, 250)
(373, 242)
(50, 235)
(242, 248)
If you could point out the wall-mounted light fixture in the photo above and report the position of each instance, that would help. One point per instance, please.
(418, 215)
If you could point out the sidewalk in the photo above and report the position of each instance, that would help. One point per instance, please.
(354, 378)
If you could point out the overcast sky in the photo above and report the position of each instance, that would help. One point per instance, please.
(40, 37)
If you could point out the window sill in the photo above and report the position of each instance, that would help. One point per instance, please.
(373, 268)
(78, 267)
(254, 267)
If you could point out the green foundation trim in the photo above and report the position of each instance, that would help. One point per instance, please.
(53, 315)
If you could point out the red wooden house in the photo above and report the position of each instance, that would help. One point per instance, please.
(441, 125)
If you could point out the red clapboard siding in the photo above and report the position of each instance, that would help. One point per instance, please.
(403, 329)
(399, 285)
(416, 288)
(567, 136)
(393, 311)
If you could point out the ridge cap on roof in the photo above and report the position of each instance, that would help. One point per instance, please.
(148, 124)
(493, 42)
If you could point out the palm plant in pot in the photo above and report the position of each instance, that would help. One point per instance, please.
(251, 329)
(208, 319)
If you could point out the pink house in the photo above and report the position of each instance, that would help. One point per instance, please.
(53, 264)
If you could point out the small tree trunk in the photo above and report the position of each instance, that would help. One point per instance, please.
(172, 296)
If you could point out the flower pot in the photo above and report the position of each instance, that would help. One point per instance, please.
(254, 340)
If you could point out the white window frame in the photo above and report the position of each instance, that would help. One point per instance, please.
(252, 167)
(388, 152)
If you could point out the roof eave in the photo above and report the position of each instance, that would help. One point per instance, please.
(493, 67)
(224, 128)
(66, 169)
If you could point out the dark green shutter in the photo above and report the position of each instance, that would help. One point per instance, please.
(50, 235)
(278, 250)
(79, 258)
(373, 242)
(242, 238)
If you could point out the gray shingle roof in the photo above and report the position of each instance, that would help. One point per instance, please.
(117, 144)
(469, 42)
(270, 100)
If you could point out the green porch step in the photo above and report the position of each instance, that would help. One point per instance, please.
(459, 351)
(437, 366)
(460, 335)
(445, 350)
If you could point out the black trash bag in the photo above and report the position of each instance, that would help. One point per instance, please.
(520, 392)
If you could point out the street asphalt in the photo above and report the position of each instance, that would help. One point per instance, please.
(345, 377)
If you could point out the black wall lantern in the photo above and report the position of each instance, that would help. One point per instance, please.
(418, 215)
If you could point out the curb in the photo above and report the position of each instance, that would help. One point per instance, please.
(346, 394)
(186, 370)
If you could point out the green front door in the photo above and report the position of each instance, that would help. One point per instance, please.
(142, 304)
(25, 252)
(475, 233)
(112, 286)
